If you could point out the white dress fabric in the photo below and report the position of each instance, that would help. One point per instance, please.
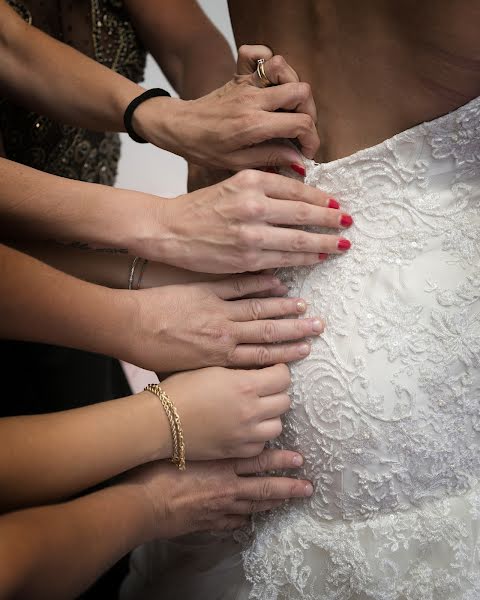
(386, 408)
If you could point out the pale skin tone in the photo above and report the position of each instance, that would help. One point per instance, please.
(224, 414)
(375, 68)
(57, 551)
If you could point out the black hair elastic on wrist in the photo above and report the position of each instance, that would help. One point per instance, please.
(127, 117)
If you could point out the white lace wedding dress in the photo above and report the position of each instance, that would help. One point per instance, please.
(386, 409)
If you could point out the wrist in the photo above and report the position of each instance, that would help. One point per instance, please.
(157, 121)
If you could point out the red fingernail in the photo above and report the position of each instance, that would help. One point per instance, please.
(333, 203)
(343, 244)
(300, 169)
(346, 221)
(322, 256)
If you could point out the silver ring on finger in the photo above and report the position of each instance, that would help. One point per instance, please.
(262, 76)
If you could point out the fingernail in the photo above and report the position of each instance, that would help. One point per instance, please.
(333, 203)
(346, 220)
(343, 244)
(322, 256)
(317, 326)
(304, 349)
(308, 489)
(297, 460)
(301, 306)
(300, 169)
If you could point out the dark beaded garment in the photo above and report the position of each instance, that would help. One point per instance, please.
(100, 29)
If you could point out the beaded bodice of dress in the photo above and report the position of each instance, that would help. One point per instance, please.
(386, 409)
(101, 29)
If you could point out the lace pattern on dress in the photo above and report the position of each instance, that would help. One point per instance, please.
(386, 409)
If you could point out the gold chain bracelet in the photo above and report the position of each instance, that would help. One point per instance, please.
(178, 444)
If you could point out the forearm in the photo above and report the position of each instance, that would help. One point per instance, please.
(51, 457)
(41, 304)
(53, 79)
(58, 551)
(108, 268)
(44, 206)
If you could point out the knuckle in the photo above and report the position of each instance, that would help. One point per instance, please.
(222, 336)
(278, 62)
(299, 242)
(255, 309)
(269, 332)
(249, 178)
(304, 90)
(244, 51)
(306, 123)
(263, 355)
(261, 462)
(253, 207)
(251, 237)
(303, 214)
(266, 489)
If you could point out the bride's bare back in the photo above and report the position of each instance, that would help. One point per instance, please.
(376, 67)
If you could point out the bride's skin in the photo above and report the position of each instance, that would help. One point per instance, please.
(377, 67)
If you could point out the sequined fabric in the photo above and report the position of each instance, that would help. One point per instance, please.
(386, 408)
(100, 29)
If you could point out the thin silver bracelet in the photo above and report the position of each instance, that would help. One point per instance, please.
(132, 272)
(131, 277)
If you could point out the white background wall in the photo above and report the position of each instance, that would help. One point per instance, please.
(145, 168)
(148, 169)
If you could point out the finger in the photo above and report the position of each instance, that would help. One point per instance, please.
(281, 330)
(271, 407)
(228, 523)
(290, 212)
(237, 287)
(284, 188)
(268, 460)
(277, 71)
(246, 356)
(270, 258)
(248, 56)
(266, 430)
(258, 308)
(295, 96)
(249, 507)
(272, 380)
(297, 240)
(274, 125)
(266, 154)
(272, 488)
(277, 292)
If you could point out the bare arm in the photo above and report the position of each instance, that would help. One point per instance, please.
(193, 54)
(57, 551)
(54, 456)
(54, 79)
(108, 267)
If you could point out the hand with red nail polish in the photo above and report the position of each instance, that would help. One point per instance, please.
(237, 226)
